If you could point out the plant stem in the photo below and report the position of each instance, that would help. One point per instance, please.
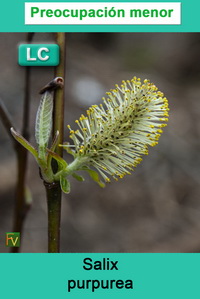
(53, 193)
(53, 190)
(72, 167)
(58, 118)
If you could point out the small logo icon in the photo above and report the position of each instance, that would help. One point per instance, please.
(12, 239)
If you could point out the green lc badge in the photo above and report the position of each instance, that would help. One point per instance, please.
(38, 54)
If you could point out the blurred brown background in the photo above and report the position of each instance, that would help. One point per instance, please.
(157, 208)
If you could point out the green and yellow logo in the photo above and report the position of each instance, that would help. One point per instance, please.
(12, 239)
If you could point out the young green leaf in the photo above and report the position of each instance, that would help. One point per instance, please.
(94, 175)
(78, 177)
(55, 142)
(24, 143)
(61, 162)
(43, 123)
(52, 149)
(65, 185)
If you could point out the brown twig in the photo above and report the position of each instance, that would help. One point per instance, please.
(53, 191)
(59, 93)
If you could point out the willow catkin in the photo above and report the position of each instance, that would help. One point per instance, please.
(115, 135)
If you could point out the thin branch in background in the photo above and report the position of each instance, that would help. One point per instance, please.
(53, 191)
(26, 110)
(22, 202)
(6, 120)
